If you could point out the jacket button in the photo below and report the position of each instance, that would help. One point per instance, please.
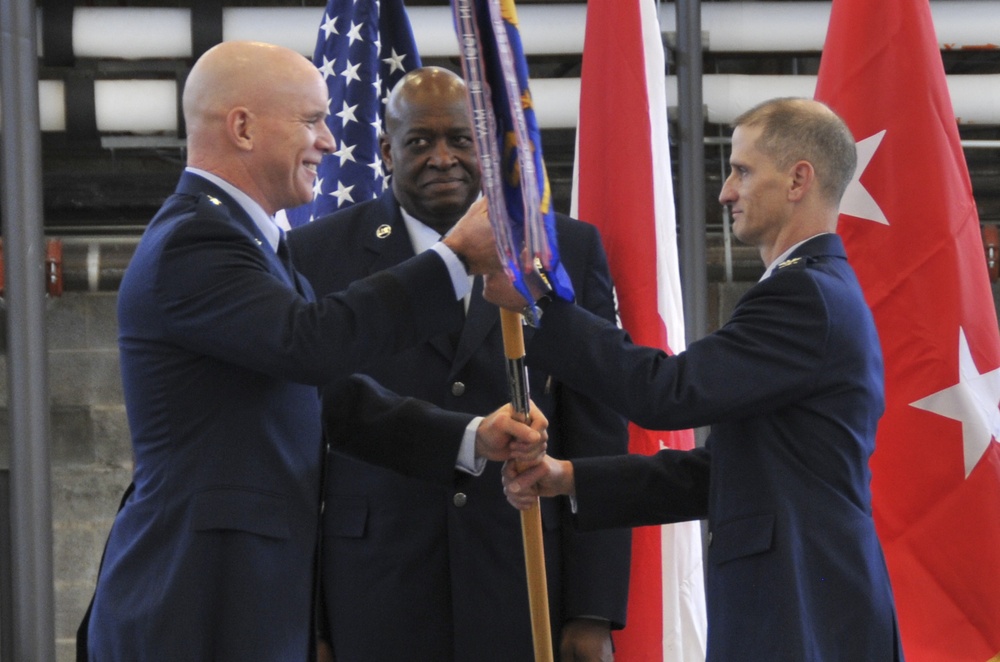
(709, 538)
(459, 499)
(458, 388)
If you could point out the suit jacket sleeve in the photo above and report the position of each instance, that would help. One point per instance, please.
(219, 299)
(764, 358)
(596, 564)
(761, 360)
(640, 490)
(410, 436)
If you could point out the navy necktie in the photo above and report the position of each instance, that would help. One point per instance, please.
(285, 255)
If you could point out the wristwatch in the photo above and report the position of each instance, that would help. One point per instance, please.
(532, 314)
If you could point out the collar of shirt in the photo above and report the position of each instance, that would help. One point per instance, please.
(266, 224)
(784, 256)
(422, 236)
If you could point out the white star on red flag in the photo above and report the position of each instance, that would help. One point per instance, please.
(974, 400)
(857, 201)
(936, 467)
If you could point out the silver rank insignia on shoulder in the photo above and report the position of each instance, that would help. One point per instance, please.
(788, 263)
(214, 200)
(383, 231)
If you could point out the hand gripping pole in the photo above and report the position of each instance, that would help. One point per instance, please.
(531, 519)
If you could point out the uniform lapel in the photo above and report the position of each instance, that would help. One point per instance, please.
(193, 184)
(388, 244)
(479, 321)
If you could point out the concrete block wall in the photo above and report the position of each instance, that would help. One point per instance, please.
(91, 455)
(90, 452)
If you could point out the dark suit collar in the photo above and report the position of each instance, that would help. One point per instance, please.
(822, 245)
(827, 245)
(480, 319)
(386, 239)
(194, 184)
(389, 242)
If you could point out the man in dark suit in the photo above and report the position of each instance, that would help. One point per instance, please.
(222, 348)
(792, 386)
(423, 572)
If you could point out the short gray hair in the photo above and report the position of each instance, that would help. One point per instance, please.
(799, 129)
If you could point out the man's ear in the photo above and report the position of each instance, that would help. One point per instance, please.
(241, 126)
(803, 177)
(385, 147)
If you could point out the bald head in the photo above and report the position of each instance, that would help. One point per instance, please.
(241, 73)
(427, 86)
(429, 147)
(255, 116)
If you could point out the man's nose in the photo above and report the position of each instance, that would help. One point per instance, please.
(324, 139)
(728, 194)
(442, 156)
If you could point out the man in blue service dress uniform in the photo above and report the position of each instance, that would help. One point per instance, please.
(433, 573)
(792, 385)
(211, 557)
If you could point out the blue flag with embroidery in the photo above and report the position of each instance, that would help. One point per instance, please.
(508, 139)
(363, 48)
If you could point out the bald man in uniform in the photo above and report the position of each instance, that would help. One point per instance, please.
(223, 346)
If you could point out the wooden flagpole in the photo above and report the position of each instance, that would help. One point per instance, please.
(531, 519)
(491, 164)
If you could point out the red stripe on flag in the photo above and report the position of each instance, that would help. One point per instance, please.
(619, 190)
(924, 276)
(615, 137)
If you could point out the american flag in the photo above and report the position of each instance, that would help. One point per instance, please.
(363, 48)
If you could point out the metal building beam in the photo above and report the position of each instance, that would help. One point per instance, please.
(24, 295)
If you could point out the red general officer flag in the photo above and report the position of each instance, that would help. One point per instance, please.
(912, 234)
(623, 186)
